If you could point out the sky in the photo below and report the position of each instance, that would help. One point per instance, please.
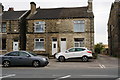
(101, 9)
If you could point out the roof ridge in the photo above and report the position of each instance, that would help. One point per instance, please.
(62, 8)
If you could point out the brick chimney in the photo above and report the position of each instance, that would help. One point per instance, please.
(11, 9)
(90, 8)
(117, 0)
(33, 7)
(1, 8)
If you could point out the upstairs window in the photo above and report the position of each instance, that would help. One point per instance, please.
(3, 28)
(39, 27)
(79, 26)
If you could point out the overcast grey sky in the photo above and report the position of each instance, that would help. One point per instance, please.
(101, 10)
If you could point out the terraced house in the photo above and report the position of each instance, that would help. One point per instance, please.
(57, 29)
(12, 30)
(47, 31)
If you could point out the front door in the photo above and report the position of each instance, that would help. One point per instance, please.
(15, 46)
(54, 46)
(63, 45)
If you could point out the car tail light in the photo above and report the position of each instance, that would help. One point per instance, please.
(89, 52)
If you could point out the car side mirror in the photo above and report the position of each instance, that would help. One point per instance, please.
(66, 51)
(28, 56)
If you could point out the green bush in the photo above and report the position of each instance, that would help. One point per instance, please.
(95, 55)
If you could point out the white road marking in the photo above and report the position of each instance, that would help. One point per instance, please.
(97, 75)
(63, 77)
(102, 66)
(11, 75)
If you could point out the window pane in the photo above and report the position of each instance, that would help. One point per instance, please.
(23, 54)
(13, 54)
(37, 40)
(79, 26)
(41, 39)
(3, 28)
(39, 45)
(3, 44)
(77, 45)
(72, 50)
(39, 26)
(79, 42)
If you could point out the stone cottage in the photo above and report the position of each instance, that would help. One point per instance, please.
(12, 30)
(56, 29)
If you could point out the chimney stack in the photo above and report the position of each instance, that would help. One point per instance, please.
(11, 9)
(33, 7)
(1, 8)
(90, 8)
(117, 0)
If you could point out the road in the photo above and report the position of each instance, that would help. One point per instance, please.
(104, 67)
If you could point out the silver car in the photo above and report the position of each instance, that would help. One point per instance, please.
(23, 58)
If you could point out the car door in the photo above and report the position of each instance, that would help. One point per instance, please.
(69, 53)
(79, 52)
(24, 58)
(13, 57)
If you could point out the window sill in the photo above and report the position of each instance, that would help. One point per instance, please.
(39, 32)
(3, 50)
(39, 50)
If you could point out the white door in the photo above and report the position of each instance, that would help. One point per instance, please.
(54, 46)
(15, 46)
(63, 45)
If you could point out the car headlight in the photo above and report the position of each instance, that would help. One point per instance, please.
(44, 59)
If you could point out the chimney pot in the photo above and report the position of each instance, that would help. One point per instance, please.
(11, 9)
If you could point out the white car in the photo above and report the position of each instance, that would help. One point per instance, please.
(75, 52)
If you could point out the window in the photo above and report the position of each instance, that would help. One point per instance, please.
(3, 44)
(79, 26)
(79, 42)
(3, 27)
(39, 27)
(79, 49)
(12, 54)
(39, 44)
(72, 50)
(23, 54)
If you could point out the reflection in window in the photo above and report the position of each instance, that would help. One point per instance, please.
(79, 26)
(39, 26)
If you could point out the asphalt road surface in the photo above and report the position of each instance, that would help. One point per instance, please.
(103, 68)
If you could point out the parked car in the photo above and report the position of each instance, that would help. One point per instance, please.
(23, 58)
(75, 52)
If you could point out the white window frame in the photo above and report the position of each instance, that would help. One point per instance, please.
(79, 43)
(80, 22)
(39, 23)
(3, 27)
(39, 41)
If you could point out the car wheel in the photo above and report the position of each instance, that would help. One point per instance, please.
(61, 59)
(85, 58)
(36, 64)
(6, 64)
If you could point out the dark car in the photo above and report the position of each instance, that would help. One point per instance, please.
(23, 58)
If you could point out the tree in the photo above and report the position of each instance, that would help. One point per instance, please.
(98, 48)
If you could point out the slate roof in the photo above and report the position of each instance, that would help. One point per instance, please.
(62, 13)
(12, 15)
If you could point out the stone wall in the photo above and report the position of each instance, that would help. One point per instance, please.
(60, 28)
